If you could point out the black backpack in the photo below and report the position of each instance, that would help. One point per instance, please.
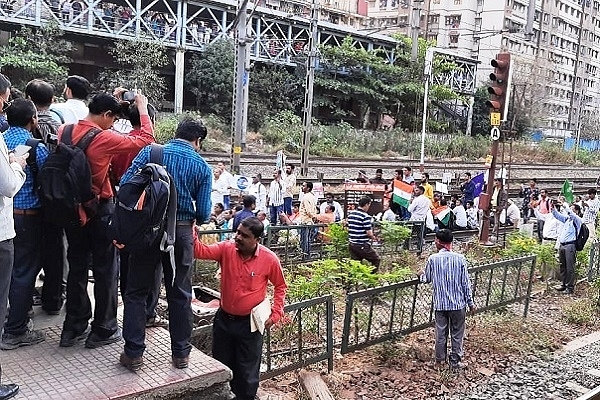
(65, 181)
(146, 208)
(582, 237)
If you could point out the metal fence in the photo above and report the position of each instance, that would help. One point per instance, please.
(594, 266)
(304, 337)
(376, 315)
(287, 240)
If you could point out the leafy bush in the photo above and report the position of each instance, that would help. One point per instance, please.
(580, 312)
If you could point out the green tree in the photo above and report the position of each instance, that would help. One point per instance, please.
(36, 53)
(355, 84)
(272, 89)
(138, 67)
(210, 78)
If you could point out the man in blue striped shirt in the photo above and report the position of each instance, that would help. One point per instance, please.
(447, 272)
(570, 217)
(360, 234)
(193, 180)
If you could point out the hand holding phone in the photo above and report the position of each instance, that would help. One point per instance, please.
(21, 150)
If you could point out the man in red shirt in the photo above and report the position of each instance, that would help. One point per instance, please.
(246, 269)
(91, 242)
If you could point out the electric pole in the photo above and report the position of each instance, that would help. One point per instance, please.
(313, 42)
(240, 89)
(415, 22)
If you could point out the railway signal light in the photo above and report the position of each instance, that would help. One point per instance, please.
(500, 87)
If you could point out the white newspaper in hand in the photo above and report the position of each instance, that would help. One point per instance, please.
(260, 314)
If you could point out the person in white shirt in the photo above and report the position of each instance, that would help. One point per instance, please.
(259, 191)
(551, 229)
(388, 214)
(460, 215)
(12, 178)
(275, 197)
(591, 206)
(219, 188)
(511, 215)
(290, 185)
(228, 178)
(419, 205)
(472, 215)
(77, 89)
(339, 210)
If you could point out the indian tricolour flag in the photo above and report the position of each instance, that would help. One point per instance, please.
(402, 193)
(442, 214)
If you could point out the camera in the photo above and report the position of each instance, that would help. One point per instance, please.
(128, 96)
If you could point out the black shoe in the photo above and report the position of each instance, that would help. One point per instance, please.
(8, 391)
(51, 312)
(560, 288)
(132, 364)
(94, 341)
(70, 338)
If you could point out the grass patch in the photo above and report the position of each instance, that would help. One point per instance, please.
(581, 312)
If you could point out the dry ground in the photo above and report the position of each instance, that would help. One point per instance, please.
(494, 341)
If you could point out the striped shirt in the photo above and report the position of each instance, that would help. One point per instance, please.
(591, 211)
(276, 190)
(191, 174)
(26, 198)
(447, 271)
(359, 222)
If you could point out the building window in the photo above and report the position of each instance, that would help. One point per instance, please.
(457, 2)
(454, 39)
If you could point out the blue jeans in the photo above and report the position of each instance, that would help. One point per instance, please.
(274, 213)
(25, 270)
(287, 205)
(307, 237)
(140, 281)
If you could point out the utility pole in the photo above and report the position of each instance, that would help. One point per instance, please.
(309, 86)
(576, 67)
(240, 90)
(530, 20)
(415, 22)
(427, 76)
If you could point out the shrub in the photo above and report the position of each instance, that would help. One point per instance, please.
(580, 312)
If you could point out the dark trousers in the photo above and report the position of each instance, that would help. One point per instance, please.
(7, 258)
(453, 323)
(239, 349)
(287, 205)
(540, 229)
(364, 252)
(85, 243)
(26, 267)
(141, 279)
(566, 257)
(274, 213)
(152, 299)
(53, 263)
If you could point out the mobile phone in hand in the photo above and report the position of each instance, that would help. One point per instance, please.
(21, 150)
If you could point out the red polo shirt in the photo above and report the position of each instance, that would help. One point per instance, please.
(107, 144)
(244, 282)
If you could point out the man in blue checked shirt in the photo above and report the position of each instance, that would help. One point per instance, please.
(447, 272)
(22, 118)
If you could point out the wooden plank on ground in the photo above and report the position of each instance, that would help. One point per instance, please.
(315, 386)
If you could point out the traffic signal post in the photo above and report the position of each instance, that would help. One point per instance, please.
(499, 91)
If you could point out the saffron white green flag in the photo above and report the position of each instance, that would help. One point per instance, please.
(402, 193)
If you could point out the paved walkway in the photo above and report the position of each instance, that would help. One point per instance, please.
(47, 371)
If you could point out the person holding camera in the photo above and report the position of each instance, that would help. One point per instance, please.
(571, 218)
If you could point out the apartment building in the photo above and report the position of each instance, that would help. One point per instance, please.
(555, 57)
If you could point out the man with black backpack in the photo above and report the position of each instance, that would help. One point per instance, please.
(192, 178)
(568, 240)
(87, 236)
(53, 244)
(22, 118)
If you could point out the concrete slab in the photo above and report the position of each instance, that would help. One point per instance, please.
(580, 342)
(47, 371)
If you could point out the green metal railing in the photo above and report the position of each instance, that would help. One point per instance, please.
(376, 315)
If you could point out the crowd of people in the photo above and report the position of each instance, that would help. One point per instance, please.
(37, 133)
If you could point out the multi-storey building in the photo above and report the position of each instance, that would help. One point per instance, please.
(555, 55)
